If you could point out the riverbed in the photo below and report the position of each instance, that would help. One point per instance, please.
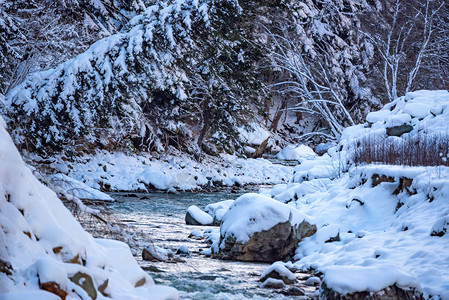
(160, 216)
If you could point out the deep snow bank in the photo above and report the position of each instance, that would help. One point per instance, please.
(378, 225)
(122, 172)
(393, 223)
(42, 246)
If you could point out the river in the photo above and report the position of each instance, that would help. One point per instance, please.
(161, 217)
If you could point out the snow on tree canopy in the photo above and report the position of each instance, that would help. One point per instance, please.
(137, 85)
(42, 244)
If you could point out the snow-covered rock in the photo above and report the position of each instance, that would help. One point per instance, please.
(272, 283)
(113, 171)
(258, 228)
(356, 282)
(183, 250)
(196, 234)
(46, 250)
(156, 253)
(278, 271)
(313, 281)
(195, 216)
(296, 152)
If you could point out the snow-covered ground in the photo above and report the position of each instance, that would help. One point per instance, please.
(43, 248)
(123, 172)
(378, 225)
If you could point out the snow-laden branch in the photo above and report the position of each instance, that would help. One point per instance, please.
(309, 82)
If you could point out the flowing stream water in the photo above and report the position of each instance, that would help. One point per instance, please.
(161, 216)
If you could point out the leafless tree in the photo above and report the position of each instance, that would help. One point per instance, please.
(309, 81)
(405, 42)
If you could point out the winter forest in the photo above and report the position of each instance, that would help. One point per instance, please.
(224, 149)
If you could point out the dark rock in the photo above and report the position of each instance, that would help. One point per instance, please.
(269, 245)
(440, 228)
(399, 130)
(5, 267)
(150, 253)
(390, 293)
(405, 185)
(377, 179)
(131, 195)
(53, 288)
(334, 239)
(86, 283)
(140, 282)
(102, 288)
(207, 277)
(153, 269)
(190, 220)
(272, 283)
(294, 291)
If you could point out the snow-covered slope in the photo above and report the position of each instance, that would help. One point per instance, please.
(378, 225)
(43, 248)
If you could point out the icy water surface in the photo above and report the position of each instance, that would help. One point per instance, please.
(161, 216)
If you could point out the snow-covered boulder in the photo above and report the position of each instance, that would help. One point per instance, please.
(217, 210)
(155, 253)
(195, 216)
(278, 270)
(296, 152)
(368, 282)
(272, 283)
(47, 253)
(258, 228)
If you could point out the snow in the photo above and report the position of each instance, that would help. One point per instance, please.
(39, 237)
(370, 237)
(349, 279)
(200, 216)
(279, 267)
(313, 281)
(252, 213)
(379, 231)
(183, 249)
(421, 109)
(270, 282)
(296, 152)
(254, 134)
(213, 236)
(77, 188)
(117, 171)
(218, 209)
(196, 233)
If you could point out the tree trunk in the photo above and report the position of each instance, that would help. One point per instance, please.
(261, 149)
(278, 115)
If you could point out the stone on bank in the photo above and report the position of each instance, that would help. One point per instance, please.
(258, 228)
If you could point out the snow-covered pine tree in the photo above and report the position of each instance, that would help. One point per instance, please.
(178, 70)
(39, 34)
